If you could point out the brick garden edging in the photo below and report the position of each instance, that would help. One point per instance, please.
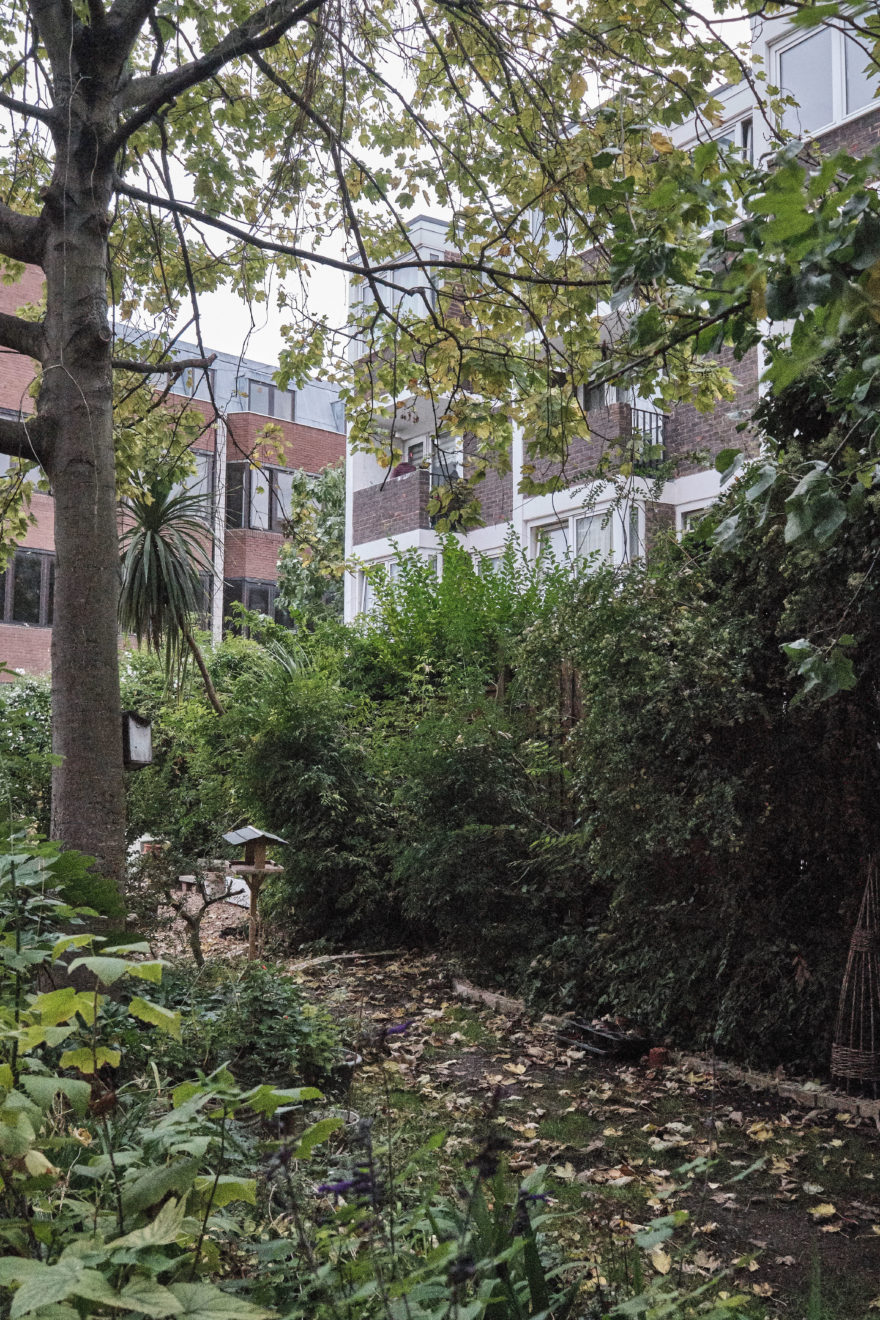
(811, 1095)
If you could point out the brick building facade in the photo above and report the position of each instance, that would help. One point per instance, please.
(243, 477)
(825, 72)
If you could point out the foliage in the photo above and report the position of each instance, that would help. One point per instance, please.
(312, 558)
(109, 1196)
(254, 1019)
(26, 751)
(163, 552)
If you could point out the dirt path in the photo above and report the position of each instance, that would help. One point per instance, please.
(773, 1191)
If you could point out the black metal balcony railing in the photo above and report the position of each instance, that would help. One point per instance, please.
(649, 439)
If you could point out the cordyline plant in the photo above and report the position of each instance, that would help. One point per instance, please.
(163, 553)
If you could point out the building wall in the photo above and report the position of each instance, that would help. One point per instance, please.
(311, 442)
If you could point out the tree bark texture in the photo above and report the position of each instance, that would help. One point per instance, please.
(76, 397)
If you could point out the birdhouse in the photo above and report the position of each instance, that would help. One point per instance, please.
(253, 869)
(137, 740)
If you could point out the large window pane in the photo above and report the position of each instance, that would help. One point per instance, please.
(805, 72)
(260, 397)
(236, 488)
(233, 590)
(260, 498)
(284, 405)
(594, 535)
(259, 597)
(861, 76)
(50, 592)
(282, 483)
(553, 541)
(26, 587)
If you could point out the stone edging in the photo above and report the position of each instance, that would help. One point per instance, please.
(812, 1097)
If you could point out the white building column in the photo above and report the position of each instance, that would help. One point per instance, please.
(218, 531)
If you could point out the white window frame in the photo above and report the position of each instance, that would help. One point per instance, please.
(622, 551)
(685, 510)
(840, 115)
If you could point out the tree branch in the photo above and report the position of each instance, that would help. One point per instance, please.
(21, 236)
(54, 20)
(261, 29)
(24, 439)
(160, 368)
(41, 112)
(378, 273)
(25, 337)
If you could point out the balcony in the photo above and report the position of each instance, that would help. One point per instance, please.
(648, 430)
(391, 508)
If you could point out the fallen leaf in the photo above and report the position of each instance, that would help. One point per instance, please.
(661, 1260)
(762, 1289)
(823, 1211)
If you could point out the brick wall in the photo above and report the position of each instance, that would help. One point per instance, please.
(305, 447)
(252, 554)
(659, 519)
(858, 136)
(688, 430)
(25, 648)
(393, 508)
(495, 491)
(607, 426)
(16, 372)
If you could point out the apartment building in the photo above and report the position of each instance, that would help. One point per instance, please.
(244, 481)
(824, 70)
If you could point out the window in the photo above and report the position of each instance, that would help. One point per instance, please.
(258, 498)
(200, 484)
(594, 536)
(691, 518)
(830, 75)
(609, 535)
(267, 399)
(260, 597)
(737, 137)
(237, 493)
(27, 589)
(195, 383)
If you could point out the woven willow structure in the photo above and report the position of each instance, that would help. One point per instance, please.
(855, 1054)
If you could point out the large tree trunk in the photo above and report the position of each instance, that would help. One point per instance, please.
(88, 801)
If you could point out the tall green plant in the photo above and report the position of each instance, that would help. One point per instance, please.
(163, 551)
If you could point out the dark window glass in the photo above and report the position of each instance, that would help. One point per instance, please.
(282, 616)
(259, 597)
(26, 587)
(50, 592)
(236, 486)
(3, 594)
(232, 593)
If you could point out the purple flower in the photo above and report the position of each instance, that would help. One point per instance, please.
(337, 1188)
(398, 1030)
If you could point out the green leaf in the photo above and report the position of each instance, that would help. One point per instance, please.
(228, 1188)
(314, 1135)
(43, 1089)
(202, 1301)
(148, 971)
(107, 970)
(151, 1185)
(727, 462)
(45, 1285)
(156, 1016)
(88, 1060)
(150, 1298)
(162, 1230)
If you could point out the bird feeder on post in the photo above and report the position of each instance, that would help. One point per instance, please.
(253, 870)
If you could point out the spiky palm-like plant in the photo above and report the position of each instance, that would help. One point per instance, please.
(163, 551)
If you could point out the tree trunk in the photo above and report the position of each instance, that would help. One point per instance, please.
(88, 795)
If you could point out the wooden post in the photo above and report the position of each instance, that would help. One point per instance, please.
(256, 855)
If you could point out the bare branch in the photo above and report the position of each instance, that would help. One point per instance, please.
(262, 29)
(41, 112)
(25, 337)
(379, 273)
(24, 439)
(21, 236)
(163, 368)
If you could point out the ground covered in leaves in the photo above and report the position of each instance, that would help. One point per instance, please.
(776, 1194)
